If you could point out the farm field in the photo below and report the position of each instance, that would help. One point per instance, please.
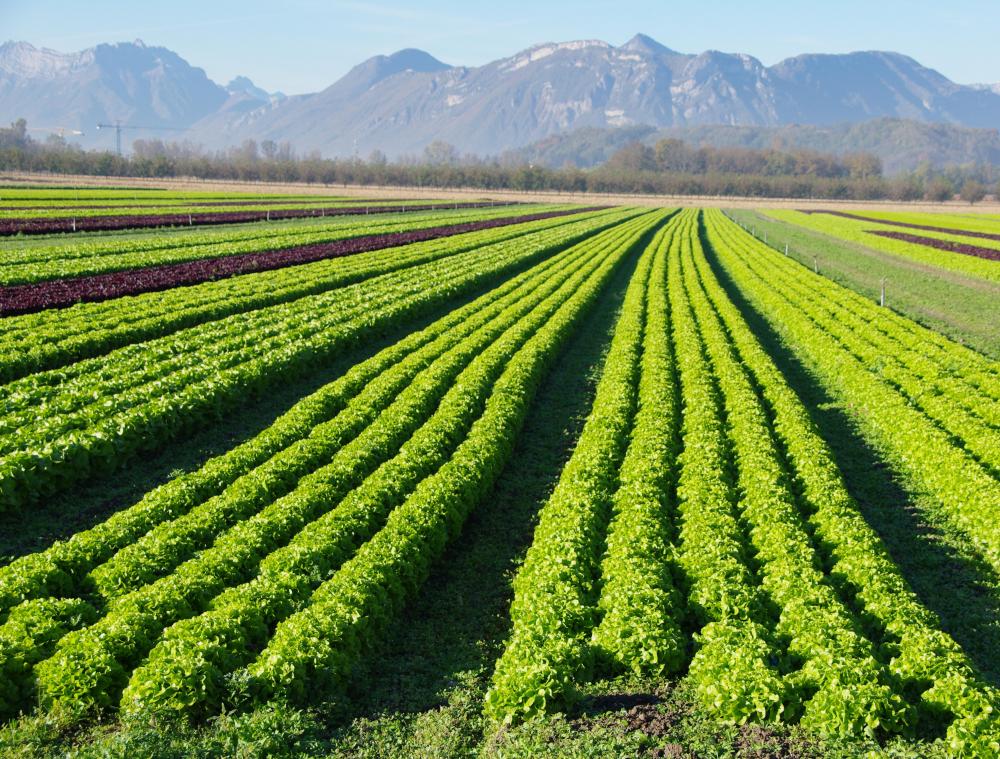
(32, 211)
(959, 305)
(953, 248)
(470, 479)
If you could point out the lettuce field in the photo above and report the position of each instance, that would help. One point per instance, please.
(300, 476)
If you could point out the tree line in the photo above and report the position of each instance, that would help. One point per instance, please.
(670, 167)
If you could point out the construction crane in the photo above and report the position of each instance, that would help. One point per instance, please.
(118, 127)
(61, 131)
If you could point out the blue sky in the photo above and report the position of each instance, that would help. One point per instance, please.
(304, 45)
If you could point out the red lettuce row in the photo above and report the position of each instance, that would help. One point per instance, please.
(59, 293)
(990, 254)
(43, 226)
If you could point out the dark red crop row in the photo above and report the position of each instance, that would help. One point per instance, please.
(18, 299)
(955, 247)
(141, 221)
(909, 225)
(348, 202)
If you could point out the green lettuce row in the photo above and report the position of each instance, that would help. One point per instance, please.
(100, 436)
(185, 672)
(57, 570)
(148, 370)
(82, 213)
(160, 550)
(206, 238)
(555, 590)
(28, 636)
(315, 650)
(925, 659)
(965, 495)
(70, 388)
(90, 667)
(51, 339)
(733, 670)
(104, 444)
(915, 378)
(841, 686)
(118, 210)
(640, 606)
(975, 386)
(68, 396)
(42, 268)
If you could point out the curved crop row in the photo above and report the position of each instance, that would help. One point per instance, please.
(48, 340)
(765, 535)
(733, 670)
(204, 649)
(952, 231)
(98, 287)
(14, 209)
(956, 406)
(59, 569)
(186, 356)
(233, 356)
(857, 232)
(640, 606)
(429, 371)
(207, 241)
(90, 666)
(938, 372)
(317, 648)
(50, 263)
(94, 223)
(840, 686)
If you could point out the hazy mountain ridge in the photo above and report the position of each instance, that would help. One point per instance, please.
(401, 102)
(130, 82)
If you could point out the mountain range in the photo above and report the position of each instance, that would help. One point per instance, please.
(402, 102)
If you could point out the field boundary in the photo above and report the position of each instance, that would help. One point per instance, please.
(460, 193)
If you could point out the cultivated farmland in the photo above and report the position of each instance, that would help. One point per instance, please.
(501, 480)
